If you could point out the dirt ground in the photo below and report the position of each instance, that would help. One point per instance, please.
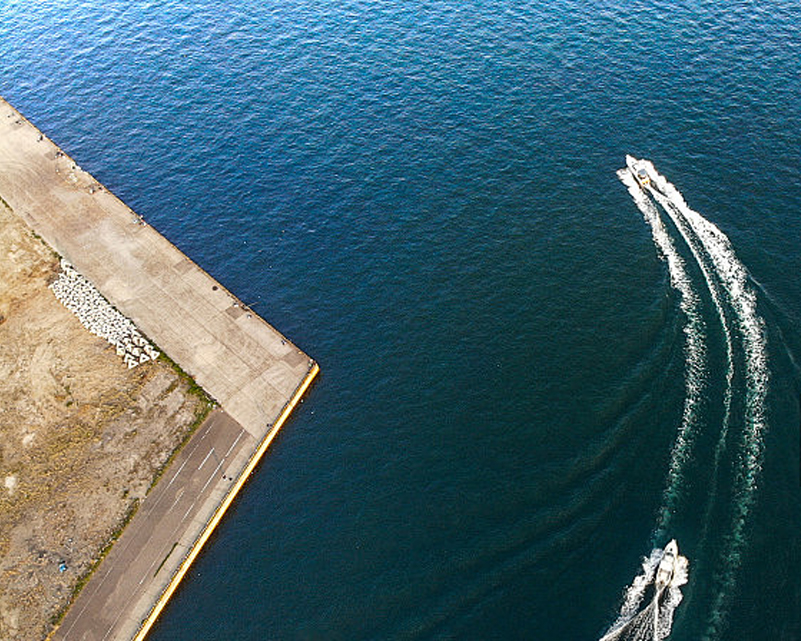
(81, 437)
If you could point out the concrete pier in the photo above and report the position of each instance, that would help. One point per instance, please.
(253, 372)
(242, 362)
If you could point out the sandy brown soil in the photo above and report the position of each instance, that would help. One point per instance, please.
(81, 437)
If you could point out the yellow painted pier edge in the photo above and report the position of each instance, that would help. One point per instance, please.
(220, 511)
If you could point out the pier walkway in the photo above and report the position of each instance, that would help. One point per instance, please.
(241, 361)
(253, 372)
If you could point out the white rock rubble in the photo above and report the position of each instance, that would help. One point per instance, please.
(98, 316)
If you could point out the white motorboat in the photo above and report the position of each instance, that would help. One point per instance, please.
(667, 566)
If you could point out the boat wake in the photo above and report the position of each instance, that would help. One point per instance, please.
(695, 349)
(726, 282)
(654, 621)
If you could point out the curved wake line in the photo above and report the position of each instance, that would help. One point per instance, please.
(720, 447)
(734, 277)
(655, 621)
(727, 280)
(693, 244)
(695, 349)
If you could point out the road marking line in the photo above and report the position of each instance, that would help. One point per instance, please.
(233, 444)
(202, 489)
(200, 467)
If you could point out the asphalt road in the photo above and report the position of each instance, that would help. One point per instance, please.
(141, 563)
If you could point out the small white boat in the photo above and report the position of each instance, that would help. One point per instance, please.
(667, 566)
(639, 170)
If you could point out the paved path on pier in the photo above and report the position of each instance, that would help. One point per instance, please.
(140, 565)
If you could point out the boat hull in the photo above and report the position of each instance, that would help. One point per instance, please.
(667, 566)
(639, 170)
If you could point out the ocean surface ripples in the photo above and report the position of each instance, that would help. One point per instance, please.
(519, 398)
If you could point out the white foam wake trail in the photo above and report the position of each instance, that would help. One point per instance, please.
(653, 623)
(655, 620)
(632, 597)
(726, 277)
(700, 253)
(672, 598)
(695, 350)
(734, 277)
(632, 623)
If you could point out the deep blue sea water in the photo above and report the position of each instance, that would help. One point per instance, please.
(424, 197)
